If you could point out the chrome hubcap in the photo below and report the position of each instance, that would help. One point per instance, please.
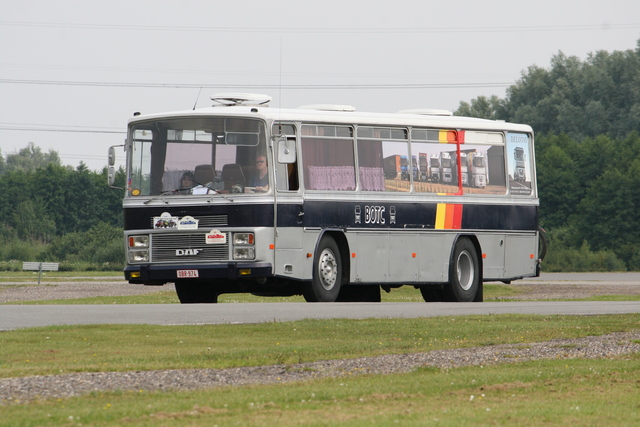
(466, 273)
(328, 269)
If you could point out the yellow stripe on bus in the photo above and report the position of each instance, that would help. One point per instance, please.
(447, 137)
(441, 215)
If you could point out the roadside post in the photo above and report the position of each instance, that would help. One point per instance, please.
(40, 267)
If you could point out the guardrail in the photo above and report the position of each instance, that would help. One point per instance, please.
(40, 267)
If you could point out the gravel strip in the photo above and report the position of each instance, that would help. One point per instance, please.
(16, 291)
(559, 290)
(16, 390)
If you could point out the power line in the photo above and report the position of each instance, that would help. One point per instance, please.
(57, 128)
(60, 130)
(209, 72)
(56, 125)
(280, 30)
(260, 86)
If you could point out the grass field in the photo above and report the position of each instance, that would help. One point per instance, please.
(95, 348)
(550, 392)
(554, 392)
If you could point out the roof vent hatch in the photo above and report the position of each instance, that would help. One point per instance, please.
(235, 99)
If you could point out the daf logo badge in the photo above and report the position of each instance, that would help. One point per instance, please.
(187, 252)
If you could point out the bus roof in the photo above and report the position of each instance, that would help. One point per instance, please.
(343, 115)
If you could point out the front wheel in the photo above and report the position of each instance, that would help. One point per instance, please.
(195, 293)
(327, 273)
(464, 273)
(360, 293)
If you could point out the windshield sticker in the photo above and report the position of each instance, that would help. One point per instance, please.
(165, 220)
(188, 223)
(215, 237)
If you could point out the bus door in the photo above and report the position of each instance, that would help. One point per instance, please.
(289, 205)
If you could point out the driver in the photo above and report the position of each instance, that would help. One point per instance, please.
(261, 177)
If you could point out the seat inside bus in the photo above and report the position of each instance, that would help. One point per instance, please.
(232, 175)
(249, 173)
(203, 174)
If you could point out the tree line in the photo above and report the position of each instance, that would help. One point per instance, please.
(58, 213)
(586, 116)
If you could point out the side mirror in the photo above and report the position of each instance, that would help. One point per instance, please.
(111, 172)
(111, 175)
(286, 149)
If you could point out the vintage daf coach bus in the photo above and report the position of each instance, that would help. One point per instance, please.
(326, 202)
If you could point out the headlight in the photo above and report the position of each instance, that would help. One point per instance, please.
(138, 256)
(138, 241)
(243, 239)
(244, 253)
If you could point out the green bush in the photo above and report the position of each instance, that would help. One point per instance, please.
(23, 250)
(10, 265)
(102, 243)
(563, 259)
(112, 252)
(99, 249)
(90, 266)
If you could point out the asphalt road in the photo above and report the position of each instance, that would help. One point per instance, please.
(25, 316)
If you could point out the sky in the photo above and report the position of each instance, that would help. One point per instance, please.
(73, 72)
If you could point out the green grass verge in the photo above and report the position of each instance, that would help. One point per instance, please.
(403, 294)
(58, 276)
(492, 293)
(152, 298)
(550, 392)
(95, 348)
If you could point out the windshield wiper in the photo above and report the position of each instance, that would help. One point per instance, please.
(178, 190)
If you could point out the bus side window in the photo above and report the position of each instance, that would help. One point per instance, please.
(328, 160)
(287, 176)
(383, 159)
(292, 170)
(287, 173)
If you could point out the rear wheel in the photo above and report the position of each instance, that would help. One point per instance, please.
(464, 273)
(431, 294)
(195, 293)
(327, 273)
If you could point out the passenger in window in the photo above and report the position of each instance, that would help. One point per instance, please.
(261, 177)
(186, 183)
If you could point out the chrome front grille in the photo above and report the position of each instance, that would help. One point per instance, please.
(212, 221)
(184, 247)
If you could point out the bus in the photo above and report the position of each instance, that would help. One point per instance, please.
(242, 197)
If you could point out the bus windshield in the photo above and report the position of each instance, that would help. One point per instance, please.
(197, 155)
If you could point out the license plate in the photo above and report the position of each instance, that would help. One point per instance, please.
(182, 274)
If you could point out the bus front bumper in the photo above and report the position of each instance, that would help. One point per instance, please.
(149, 274)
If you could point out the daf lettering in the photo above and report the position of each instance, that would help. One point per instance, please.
(187, 252)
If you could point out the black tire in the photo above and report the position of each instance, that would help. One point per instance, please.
(195, 293)
(327, 273)
(431, 294)
(359, 293)
(464, 273)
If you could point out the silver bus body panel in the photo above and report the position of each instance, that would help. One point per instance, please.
(414, 254)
